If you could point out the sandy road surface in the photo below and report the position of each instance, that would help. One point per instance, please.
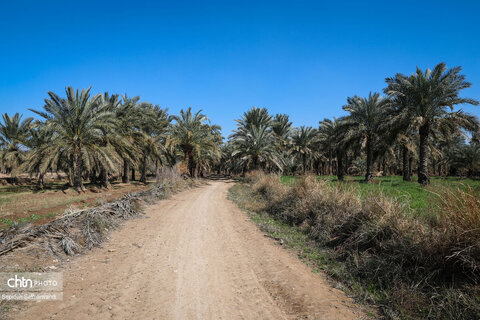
(194, 256)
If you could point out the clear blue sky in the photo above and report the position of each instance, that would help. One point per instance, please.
(302, 58)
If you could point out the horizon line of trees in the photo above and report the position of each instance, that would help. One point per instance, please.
(412, 128)
(97, 137)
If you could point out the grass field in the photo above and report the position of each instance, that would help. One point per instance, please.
(417, 196)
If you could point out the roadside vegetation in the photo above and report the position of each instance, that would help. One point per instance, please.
(382, 254)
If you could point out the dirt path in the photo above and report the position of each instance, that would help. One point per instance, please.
(194, 256)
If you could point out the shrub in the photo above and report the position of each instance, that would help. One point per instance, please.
(428, 268)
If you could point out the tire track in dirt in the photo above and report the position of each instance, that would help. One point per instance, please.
(194, 256)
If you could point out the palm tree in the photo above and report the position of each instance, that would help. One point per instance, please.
(330, 137)
(13, 134)
(362, 125)
(399, 128)
(255, 147)
(254, 117)
(281, 127)
(78, 121)
(115, 145)
(254, 143)
(210, 159)
(41, 156)
(303, 140)
(192, 134)
(127, 115)
(152, 122)
(429, 100)
(469, 157)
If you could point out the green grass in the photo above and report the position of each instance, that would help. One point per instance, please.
(418, 197)
(31, 218)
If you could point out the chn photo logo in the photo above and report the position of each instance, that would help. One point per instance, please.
(17, 282)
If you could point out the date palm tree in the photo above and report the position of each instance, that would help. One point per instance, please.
(78, 121)
(362, 125)
(468, 157)
(13, 134)
(254, 117)
(430, 98)
(126, 117)
(254, 143)
(193, 135)
(303, 141)
(152, 123)
(281, 127)
(114, 144)
(330, 138)
(256, 146)
(326, 135)
(41, 155)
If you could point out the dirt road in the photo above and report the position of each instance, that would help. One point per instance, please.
(194, 256)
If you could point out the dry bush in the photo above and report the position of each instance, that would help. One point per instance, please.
(425, 266)
(458, 231)
(274, 192)
(254, 176)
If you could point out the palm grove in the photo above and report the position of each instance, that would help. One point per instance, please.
(412, 128)
(104, 136)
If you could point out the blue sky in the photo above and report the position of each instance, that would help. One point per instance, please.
(302, 58)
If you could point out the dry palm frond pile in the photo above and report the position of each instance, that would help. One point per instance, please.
(77, 230)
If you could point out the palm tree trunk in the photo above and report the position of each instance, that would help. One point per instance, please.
(70, 177)
(244, 169)
(70, 171)
(405, 164)
(133, 173)
(125, 171)
(368, 175)
(157, 171)
(143, 175)
(93, 176)
(40, 183)
(304, 162)
(410, 166)
(255, 162)
(104, 178)
(330, 162)
(340, 170)
(188, 161)
(77, 170)
(423, 177)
